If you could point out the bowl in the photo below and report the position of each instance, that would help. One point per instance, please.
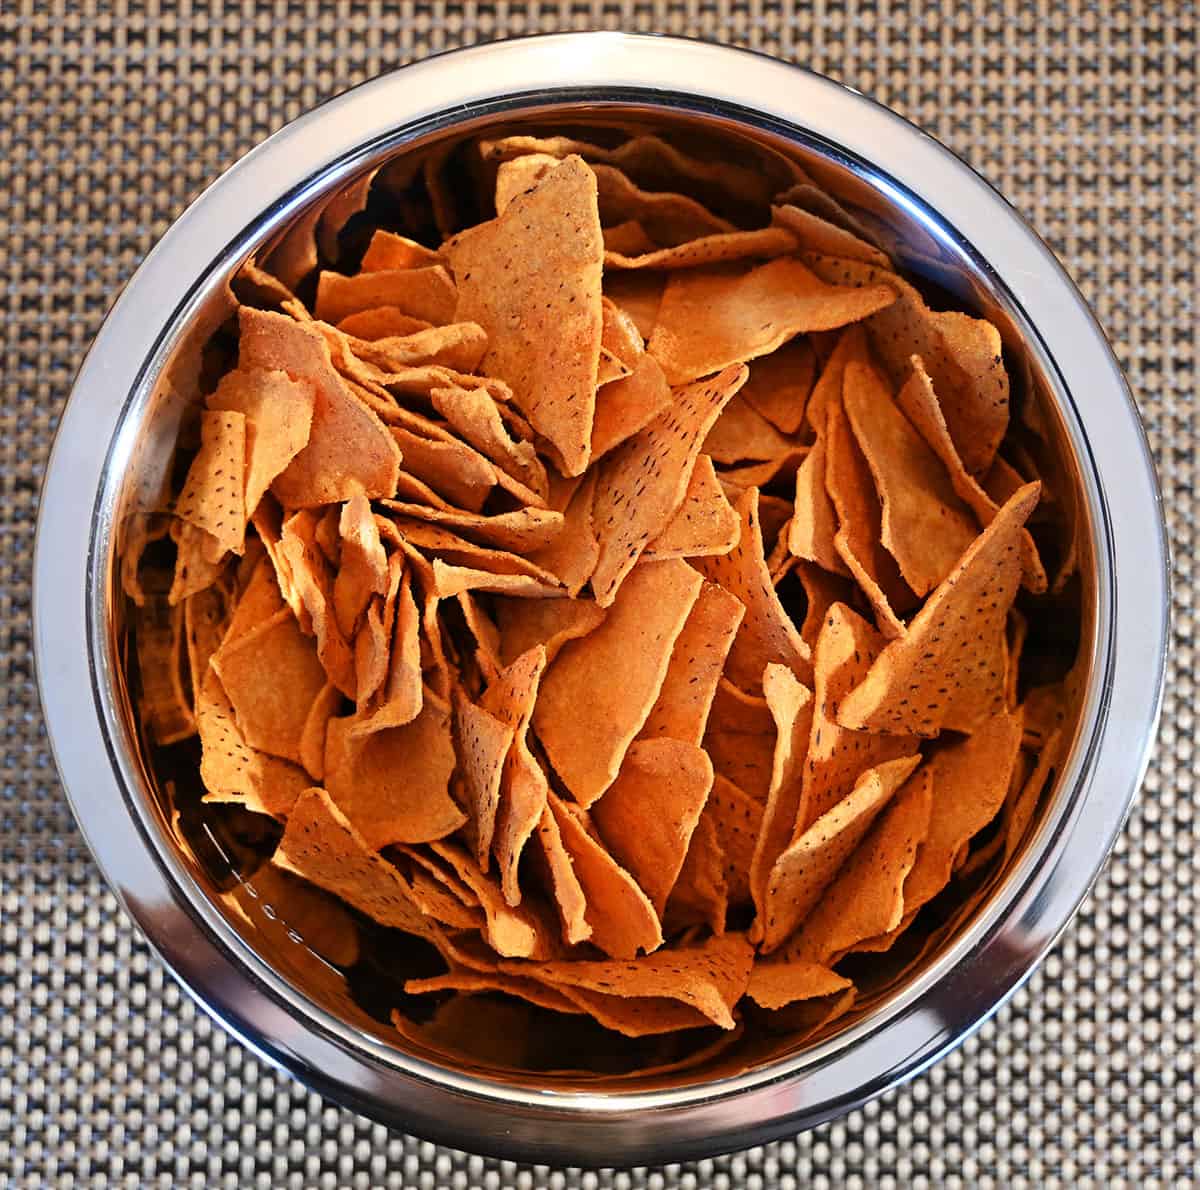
(226, 941)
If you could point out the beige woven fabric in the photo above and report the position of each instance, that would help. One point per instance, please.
(112, 115)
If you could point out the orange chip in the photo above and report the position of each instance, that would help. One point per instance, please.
(531, 279)
(970, 779)
(257, 602)
(846, 647)
(320, 844)
(644, 481)
(742, 433)
(813, 527)
(620, 336)
(213, 496)
(703, 525)
(948, 668)
(483, 744)
(394, 784)
(616, 672)
(668, 218)
(742, 757)
(925, 526)
(767, 633)
(382, 322)
(619, 913)
(629, 238)
(775, 984)
(735, 480)
(485, 632)
(388, 251)
(859, 537)
(511, 985)
(205, 620)
(791, 706)
(572, 554)
(278, 413)
(625, 406)
(762, 243)
(457, 347)
(418, 538)
(866, 898)
(710, 978)
(524, 529)
(700, 895)
(681, 710)
(807, 867)
(819, 235)
(473, 414)
(349, 449)
(639, 295)
(363, 568)
(647, 816)
(962, 354)
(272, 676)
(564, 883)
(316, 726)
(737, 819)
(427, 293)
(919, 401)
(551, 623)
(711, 318)
(780, 383)
(453, 469)
(451, 580)
(401, 697)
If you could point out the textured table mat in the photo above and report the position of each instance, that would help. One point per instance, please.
(113, 115)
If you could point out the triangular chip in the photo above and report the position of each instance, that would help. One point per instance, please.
(213, 496)
(563, 882)
(803, 871)
(925, 526)
(700, 895)
(389, 251)
(741, 433)
(552, 623)
(522, 530)
(711, 318)
(427, 293)
(682, 708)
(573, 552)
(643, 482)
(704, 524)
(813, 527)
(394, 784)
(629, 238)
(819, 235)
(1019, 813)
(625, 406)
(278, 412)
(382, 322)
(866, 898)
(837, 755)
(363, 564)
(776, 984)
(780, 383)
(761, 243)
(647, 815)
(615, 672)
(349, 449)
(483, 742)
(620, 915)
(767, 633)
(531, 279)
(401, 697)
(737, 819)
(948, 669)
(639, 295)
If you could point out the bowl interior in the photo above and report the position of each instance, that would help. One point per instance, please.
(355, 971)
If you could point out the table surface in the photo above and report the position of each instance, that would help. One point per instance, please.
(114, 115)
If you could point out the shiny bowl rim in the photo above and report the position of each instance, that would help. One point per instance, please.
(1037, 898)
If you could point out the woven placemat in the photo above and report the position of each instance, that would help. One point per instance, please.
(113, 115)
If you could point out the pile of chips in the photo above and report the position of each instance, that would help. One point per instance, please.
(617, 593)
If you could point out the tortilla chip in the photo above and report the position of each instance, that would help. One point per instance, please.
(363, 568)
(919, 401)
(762, 243)
(388, 251)
(767, 633)
(866, 898)
(963, 356)
(278, 413)
(668, 218)
(859, 540)
(552, 623)
(213, 496)
(401, 697)
(970, 779)
(381, 322)
(776, 984)
(623, 407)
(737, 819)
(394, 784)
(644, 481)
(791, 706)
(681, 710)
(427, 293)
(562, 879)
(531, 990)
(948, 669)
(316, 724)
(458, 346)
(615, 672)
(522, 530)
(710, 978)
(711, 318)
(272, 676)
(703, 525)
(483, 743)
(778, 470)
(629, 238)
(453, 469)
(620, 336)
(257, 602)
(819, 235)
(573, 552)
(700, 895)
(619, 913)
(780, 383)
(742, 433)
(925, 526)
(531, 279)
(647, 816)
(452, 580)
(205, 620)
(639, 295)
(846, 648)
(813, 527)
(349, 449)
(808, 866)
(742, 757)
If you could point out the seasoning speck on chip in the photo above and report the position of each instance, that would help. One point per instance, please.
(630, 592)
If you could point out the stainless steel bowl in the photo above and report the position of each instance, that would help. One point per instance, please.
(945, 223)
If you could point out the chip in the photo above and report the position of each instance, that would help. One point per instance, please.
(780, 383)
(704, 524)
(213, 496)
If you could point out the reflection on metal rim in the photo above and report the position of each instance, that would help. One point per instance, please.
(987, 247)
